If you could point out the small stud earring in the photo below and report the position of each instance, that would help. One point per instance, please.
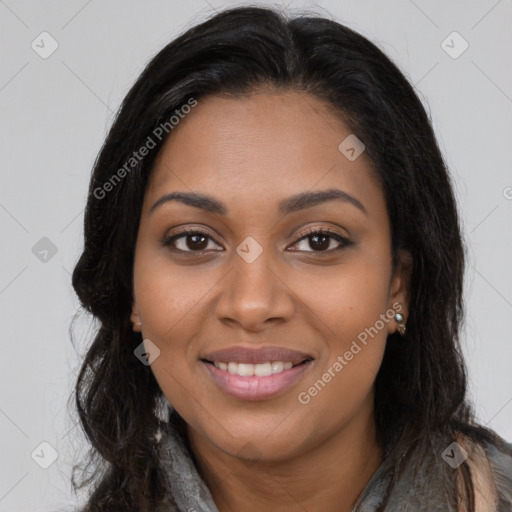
(137, 326)
(399, 318)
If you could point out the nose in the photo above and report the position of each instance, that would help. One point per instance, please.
(254, 295)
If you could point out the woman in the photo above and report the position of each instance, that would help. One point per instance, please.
(273, 251)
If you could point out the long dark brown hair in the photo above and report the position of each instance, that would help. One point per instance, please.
(421, 386)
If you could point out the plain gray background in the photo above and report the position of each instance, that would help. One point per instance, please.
(55, 113)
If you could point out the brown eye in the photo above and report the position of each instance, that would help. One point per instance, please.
(188, 240)
(196, 242)
(318, 240)
(321, 239)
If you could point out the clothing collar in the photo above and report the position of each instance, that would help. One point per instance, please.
(420, 487)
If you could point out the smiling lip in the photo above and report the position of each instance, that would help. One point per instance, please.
(256, 388)
(242, 354)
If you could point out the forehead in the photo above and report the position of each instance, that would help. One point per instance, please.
(258, 148)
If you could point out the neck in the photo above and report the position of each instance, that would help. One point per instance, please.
(328, 477)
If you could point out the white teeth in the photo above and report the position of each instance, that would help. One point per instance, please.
(245, 370)
(277, 366)
(248, 370)
(263, 369)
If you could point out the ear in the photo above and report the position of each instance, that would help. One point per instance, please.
(399, 288)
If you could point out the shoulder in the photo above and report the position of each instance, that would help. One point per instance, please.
(490, 465)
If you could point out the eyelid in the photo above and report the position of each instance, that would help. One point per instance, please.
(344, 241)
(183, 232)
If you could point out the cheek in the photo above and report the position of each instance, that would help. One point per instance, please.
(168, 296)
(340, 388)
(350, 309)
(169, 301)
(347, 299)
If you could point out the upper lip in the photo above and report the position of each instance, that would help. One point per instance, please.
(240, 354)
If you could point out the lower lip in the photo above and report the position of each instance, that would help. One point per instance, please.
(256, 388)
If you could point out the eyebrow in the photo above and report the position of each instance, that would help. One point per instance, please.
(290, 205)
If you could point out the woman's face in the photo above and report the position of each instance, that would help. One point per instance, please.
(252, 273)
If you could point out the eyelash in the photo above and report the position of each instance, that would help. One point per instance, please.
(168, 241)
